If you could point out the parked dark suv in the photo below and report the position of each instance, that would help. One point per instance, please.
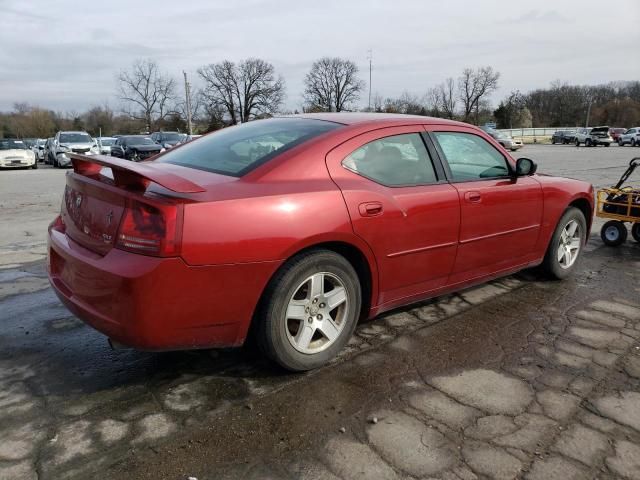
(135, 147)
(563, 136)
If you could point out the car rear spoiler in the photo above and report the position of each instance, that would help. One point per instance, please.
(130, 174)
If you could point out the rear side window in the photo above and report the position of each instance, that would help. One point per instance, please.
(235, 151)
(393, 161)
(470, 157)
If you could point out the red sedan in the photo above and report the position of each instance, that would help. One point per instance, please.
(298, 227)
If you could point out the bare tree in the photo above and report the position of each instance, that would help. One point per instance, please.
(332, 84)
(447, 98)
(148, 91)
(473, 86)
(245, 91)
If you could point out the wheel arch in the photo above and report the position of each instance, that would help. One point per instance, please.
(586, 208)
(359, 257)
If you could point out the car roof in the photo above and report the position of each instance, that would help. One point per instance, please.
(355, 118)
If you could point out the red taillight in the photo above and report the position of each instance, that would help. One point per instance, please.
(150, 229)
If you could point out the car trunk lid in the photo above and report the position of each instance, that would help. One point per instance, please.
(97, 205)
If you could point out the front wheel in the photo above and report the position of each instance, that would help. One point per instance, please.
(635, 232)
(613, 233)
(566, 244)
(309, 310)
(577, 143)
(35, 165)
(620, 144)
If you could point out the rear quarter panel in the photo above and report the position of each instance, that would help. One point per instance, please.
(279, 220)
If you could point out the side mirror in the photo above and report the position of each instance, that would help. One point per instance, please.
(525, 166)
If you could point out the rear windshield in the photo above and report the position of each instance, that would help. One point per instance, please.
(237, 150)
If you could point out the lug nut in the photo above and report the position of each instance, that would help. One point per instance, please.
(315, 300)
(306, 309)
(319, 317)
(310, 319)
(322, 305)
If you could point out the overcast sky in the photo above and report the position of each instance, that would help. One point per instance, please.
(64, 55)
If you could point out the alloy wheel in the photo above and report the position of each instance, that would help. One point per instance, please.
(569, 244)
(316, 313)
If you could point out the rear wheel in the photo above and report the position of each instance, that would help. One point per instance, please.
(35, 165)
(577, 142)
(613, 233)
(587, 142)
(635, 232)
(309, 310)
(633, 142)
(566, 244)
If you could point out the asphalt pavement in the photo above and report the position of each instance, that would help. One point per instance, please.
(517, 378)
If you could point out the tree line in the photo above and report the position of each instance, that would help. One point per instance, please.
(237, 92)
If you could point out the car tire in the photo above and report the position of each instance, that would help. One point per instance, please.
(635, 232)
(553, 142)
(577, 143)
(290, 303)
(607, 144)
(633, 142)
(613, 233)
(588, 143)
(572, 227)
(35, 165)
(620, 144)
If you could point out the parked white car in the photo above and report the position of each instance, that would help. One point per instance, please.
(105, 144)
(72, 142)
(630, 137)
(15, 154)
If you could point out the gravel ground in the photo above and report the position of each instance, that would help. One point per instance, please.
(517, 378)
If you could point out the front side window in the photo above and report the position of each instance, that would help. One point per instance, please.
(237, 150)
(471, 157)
(393, 161)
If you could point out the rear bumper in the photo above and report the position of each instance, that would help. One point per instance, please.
(154, 303)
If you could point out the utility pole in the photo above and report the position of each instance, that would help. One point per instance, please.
(370, 56)
(586, 125)
(187, 92)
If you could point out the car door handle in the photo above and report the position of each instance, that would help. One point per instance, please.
(473, 197)
(370, 209)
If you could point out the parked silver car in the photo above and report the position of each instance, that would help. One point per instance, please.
(507, 141)
(630, 137)
(593, 136)
(72, 142)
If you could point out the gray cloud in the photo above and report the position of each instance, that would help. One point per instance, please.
(64, 55)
